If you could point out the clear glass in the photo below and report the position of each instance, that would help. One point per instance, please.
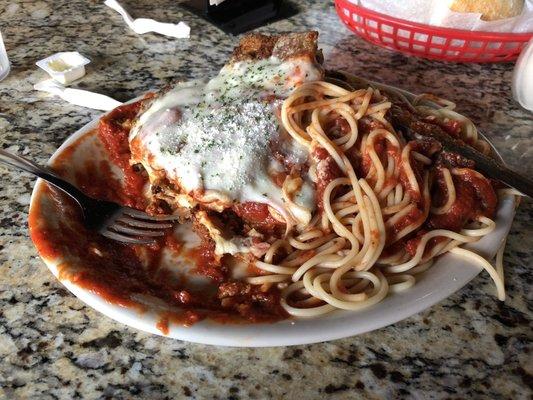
(4, 61)
(522, 85)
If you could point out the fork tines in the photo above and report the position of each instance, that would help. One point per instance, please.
(136, 227)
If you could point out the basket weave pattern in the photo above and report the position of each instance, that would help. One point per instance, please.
(430, 41)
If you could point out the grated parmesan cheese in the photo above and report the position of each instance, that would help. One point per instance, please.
(214, 136)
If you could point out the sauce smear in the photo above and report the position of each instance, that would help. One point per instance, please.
(127, 275)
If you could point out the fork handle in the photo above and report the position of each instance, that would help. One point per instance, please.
(492, 168)
(483, 163)
(26, 165)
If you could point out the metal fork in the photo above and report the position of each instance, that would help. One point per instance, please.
(487, 165)
(123, 224)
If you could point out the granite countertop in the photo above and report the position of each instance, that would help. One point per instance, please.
(54, 347)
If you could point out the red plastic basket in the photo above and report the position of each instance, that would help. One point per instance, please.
(430, 41)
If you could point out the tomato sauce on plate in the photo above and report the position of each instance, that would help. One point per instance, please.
(123, 274)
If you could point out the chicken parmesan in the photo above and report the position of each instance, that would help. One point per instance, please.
(216, 146)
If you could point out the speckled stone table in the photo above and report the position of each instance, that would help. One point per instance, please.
(54, 347)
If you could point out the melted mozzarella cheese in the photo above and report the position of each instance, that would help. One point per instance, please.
(212, 138)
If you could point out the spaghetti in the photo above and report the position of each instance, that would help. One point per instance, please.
(387, 209)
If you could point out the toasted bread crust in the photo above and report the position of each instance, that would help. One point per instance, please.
(257, 46)
(490, 10)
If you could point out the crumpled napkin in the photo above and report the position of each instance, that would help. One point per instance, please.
(145, 25)
(78, 97)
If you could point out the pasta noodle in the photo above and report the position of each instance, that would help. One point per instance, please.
(354, 262)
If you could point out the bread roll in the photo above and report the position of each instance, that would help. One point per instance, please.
(490, 10)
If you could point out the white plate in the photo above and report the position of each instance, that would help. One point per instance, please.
(449, 274)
